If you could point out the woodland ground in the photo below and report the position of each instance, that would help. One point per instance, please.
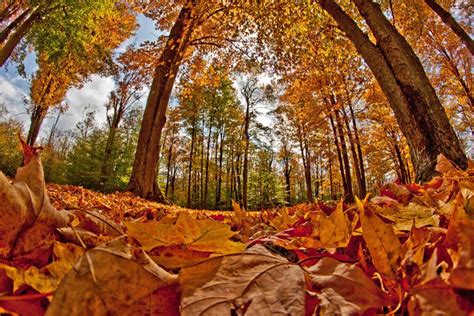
(408, 250)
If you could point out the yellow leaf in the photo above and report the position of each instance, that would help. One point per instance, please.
(381, 240)
(335, 229)
(47, 278)
(195, 234)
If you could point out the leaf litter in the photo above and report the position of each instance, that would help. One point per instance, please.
(68, 250)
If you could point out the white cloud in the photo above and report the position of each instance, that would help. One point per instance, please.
(92, 96)
(13, 96)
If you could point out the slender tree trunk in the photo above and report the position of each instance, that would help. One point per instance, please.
(219, 180)
(37, 118)
(246, 156)
(401, 165)
(306, 165)
(448, 19)
(17, 36)
(287, 172)
(402, 78)
(348, 194)
(145, 167)
(355, 157)
(168, 167)
(363, 190)
(206, 182)
(339, 152)
(109, 146)
(53, 130)
(190, 165)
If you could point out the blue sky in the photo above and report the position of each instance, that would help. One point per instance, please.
(14, 88)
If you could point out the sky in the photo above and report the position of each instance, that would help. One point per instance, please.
(92, 96)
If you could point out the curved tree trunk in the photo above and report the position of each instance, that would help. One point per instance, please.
(13, 25)
(448, 19)
(16, 37)
(145, 167)
(402, 78)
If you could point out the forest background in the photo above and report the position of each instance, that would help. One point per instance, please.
(273, 110)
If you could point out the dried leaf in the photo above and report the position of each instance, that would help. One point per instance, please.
(256, 282)
(46, 279)
(108, 280)
(191, 235)
(381, 240)
(346, 288)
(335, 229)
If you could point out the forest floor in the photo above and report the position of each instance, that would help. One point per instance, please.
(408, 250)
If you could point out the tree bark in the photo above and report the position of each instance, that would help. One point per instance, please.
(37, 118)
(190, 165)
(402, 78)
(448, 19)
(245, 171)
(145, 167)
(348, 193)
(17, 36)
(13, 25)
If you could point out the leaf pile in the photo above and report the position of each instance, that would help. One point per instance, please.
(409, 250)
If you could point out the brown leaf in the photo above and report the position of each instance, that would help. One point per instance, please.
(256, 282)
(27, 219)
(462, 275)
(381, 240)
(434, 298)
(345, 288)
(108, 280)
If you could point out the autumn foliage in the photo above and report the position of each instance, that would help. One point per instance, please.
(408, 250)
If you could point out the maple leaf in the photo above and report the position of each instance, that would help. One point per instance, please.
(381, 240)
(345, 288)
(27, 218)
(335, 229)
(47, 278)
(256, 282)
(185, 241)
(110, 279)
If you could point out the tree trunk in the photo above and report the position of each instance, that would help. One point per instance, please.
(363, 191)
(246, 156)
(145, 167)
(17, 36)
(37, 118)
(219, 179)
(206, 182)
(402, 78)
(13, 25)
(168, 167)
(348, 194)
(355, 157)
(190, 165)
(306, 165)
(339, 152)
(448, 19)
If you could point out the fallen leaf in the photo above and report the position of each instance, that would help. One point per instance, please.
(191, 235)
(381, 240)
(346, 288)
(109, 279)
(27, 219)
(46, 279)
(434, 298)
(257, 282)
(462, 275)
(335, 229)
